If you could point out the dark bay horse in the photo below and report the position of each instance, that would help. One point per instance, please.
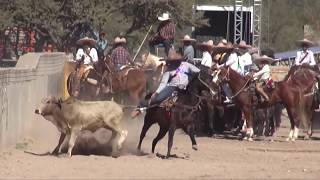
(84, 83)
(297, 94)
(183, 115)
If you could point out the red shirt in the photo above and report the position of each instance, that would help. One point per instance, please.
(120, 55)
(167, 30)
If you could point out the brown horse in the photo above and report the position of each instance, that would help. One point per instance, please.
(242, 96)
(296, 94)
(183, 115)
(103, 82)
(85, 84)
(129, 80)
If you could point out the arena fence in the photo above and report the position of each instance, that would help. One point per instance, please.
(35, 76)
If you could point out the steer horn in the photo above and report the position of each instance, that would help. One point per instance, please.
(92, 81)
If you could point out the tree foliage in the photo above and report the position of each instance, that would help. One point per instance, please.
(62, 19)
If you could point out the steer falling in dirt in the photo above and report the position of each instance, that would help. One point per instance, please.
(71, 116)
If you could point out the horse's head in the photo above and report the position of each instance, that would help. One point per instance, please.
(151, 61)
(220, 75)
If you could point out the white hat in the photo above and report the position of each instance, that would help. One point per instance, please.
(187, 38)
(119, 40)
(164, 17)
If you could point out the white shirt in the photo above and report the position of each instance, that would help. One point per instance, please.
(263, 74)
(206, 59)
(309, 59)
(93, 53)
(234, 63)
(246, 59)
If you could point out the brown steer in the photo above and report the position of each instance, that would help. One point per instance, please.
(71, 116)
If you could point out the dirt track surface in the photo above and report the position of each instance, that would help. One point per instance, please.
(217, 158)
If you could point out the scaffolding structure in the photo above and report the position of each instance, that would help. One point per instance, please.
(238, 21)
(257, 13)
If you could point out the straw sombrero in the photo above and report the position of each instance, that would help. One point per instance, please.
(86, 41)
(206, 45)
(243, 45)
(305, 42)
(262, 59)
(187, 38)
(219, 48)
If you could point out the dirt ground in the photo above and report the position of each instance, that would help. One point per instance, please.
(217, 158)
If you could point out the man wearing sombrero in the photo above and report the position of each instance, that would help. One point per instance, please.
(263, 76)
(176, 77)
(165, 34)
(206, 48)
(188, 52)
(87, 52)
(120, 56)
(245, 57)
(305, 56)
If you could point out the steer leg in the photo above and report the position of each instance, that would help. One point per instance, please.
(73, 137)
(61, 139)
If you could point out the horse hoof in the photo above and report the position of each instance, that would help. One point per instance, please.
(293, 139)
(152, 155)
(245, 138)
(288, 139)
(195, 147)
(306, 137)
(250, 139)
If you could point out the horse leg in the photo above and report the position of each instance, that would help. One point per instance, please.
(248, 117)
(309, 132)
(192, 138)
(147, 124)
(172, 129)
(162, 132)
(290, 136)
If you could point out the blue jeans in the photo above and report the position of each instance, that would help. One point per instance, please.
(164, 94)
(227, 91)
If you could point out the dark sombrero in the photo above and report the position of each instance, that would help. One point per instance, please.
(173, 56)
(262, 59)
(305, 42)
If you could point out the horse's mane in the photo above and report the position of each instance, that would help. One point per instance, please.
(239, 77)
(151, 61)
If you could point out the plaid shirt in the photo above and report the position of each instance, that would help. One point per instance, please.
(120, 56)
(167, 30)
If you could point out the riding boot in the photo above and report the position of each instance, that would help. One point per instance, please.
(261, 91)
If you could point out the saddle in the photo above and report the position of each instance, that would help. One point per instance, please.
(168, 103)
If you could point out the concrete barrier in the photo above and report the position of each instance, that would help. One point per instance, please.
(35, 76)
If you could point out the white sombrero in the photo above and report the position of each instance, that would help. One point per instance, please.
(86, 41)
(118, 40)
(305, 41)
(164, 17)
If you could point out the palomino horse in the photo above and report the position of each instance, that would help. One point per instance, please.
(129, 80)
(296, 94)
(154, 68)
(182, 114)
